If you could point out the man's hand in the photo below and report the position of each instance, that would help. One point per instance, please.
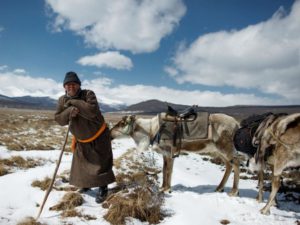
(74, 112)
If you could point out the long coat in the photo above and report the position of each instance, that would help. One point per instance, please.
(92, 162)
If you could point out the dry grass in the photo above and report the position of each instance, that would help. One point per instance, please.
(59, 181)
(75, 213)
(69, 202)
(7, 165)
(137, 194)
(30, 221)
(43, 185)
(30, 130)
(22, 129)
(3, 170)
(140, 203)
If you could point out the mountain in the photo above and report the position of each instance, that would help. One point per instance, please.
(29, 102)
(239, 111)
(150, 107)
(110, 108)
(153, 106)
(39, 102)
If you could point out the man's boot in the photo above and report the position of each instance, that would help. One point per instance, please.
(102, 194)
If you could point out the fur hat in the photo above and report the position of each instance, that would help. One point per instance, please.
(71, 77)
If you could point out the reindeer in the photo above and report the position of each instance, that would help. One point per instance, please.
(220, 141)
(278, 144)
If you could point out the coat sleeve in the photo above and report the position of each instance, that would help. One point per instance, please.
(62, 113)
(88, 108)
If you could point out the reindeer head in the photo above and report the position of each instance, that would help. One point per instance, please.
(124, 127)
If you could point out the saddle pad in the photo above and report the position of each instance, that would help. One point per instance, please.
(197, 129)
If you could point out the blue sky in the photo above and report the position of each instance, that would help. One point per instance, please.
(209, 53)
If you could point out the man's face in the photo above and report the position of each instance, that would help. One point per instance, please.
(71, 88)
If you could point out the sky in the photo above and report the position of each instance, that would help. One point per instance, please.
(195, 52)
(192, 201)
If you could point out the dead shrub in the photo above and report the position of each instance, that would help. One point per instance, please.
(140, 203)
(137, 195)
(43, 185)
(69, 201)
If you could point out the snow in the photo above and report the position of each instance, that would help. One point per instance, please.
(192, 201)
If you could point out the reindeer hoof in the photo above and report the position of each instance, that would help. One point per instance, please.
(233, 193)
(165, 190)
(259, 199)
(265, 211)
(219, 190)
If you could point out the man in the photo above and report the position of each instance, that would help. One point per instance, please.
(92, 158)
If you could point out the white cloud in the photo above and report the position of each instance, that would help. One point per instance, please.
(20, 71)
(3, 67)
(108, 59)
(126, 94)
(134, 25)
(264, 56)
(14, 84)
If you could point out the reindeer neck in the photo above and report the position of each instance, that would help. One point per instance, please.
(147, 127)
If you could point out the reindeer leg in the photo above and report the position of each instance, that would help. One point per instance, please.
(259, 196)
(275, 186)
(164, 182)
(274, 202)
(170, 162)
(236, 169)
(228, 166)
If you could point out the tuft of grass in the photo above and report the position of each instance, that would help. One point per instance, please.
(224, 221)
(71, 213)
(43, 185)
(3, 170)
(69, 201)
(30, 221)
(75, 213)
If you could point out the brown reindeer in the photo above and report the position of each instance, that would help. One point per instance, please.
(220, 141)
(278, 141)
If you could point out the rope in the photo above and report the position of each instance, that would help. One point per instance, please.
(278, 140)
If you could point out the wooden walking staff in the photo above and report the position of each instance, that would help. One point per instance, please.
(55, 172)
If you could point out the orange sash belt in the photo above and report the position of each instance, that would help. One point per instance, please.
(98, 133)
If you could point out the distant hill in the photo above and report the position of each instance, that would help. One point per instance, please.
(150, 107)
(29, 102)
(153, 106)
(110, 108)
(239, 111)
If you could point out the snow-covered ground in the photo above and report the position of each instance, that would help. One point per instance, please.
(193, 200)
